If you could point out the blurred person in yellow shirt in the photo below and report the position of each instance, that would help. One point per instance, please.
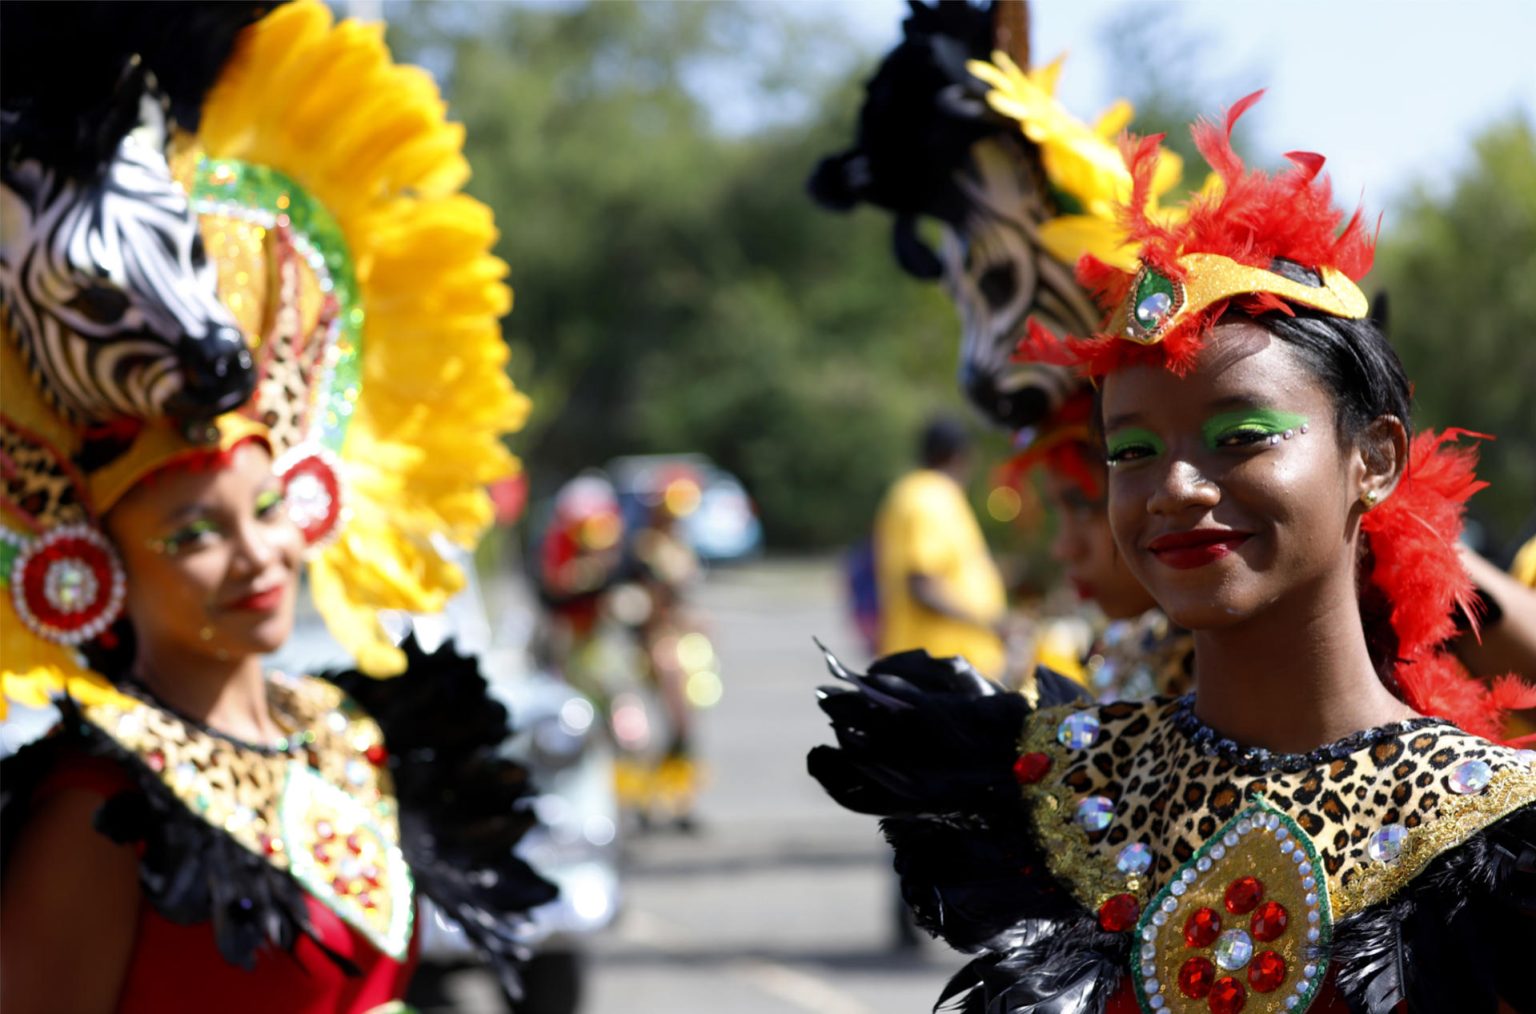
(939, 589)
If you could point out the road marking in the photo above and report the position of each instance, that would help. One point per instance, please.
(805, 991)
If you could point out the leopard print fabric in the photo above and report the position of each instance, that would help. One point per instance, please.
(240, 789)
(1173, 795)
(37, 483)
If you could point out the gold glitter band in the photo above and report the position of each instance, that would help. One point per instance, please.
(1210, 278)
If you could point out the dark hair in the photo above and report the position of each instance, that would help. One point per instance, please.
(944, 439)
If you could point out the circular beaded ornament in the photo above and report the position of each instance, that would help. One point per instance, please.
(1260, 876)
(67, 585)
(311, 478)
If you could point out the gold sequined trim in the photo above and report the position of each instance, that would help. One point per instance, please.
(239, 790)
(1089, 874)
(1458, 819)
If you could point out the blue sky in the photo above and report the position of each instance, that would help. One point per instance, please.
(1391, 92)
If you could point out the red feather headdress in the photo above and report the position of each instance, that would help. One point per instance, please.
(1222, 251)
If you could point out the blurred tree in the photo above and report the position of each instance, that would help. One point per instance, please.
(1458, 264)
(676, 289)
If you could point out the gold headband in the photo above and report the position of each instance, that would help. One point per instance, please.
(1158, 304)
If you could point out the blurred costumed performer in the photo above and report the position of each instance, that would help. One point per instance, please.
(1327, 823)
(1016, 208)
(250, 325)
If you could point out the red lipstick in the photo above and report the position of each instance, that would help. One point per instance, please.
(262, 601)
(1196, 547)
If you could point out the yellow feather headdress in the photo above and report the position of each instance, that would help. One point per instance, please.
(327, 180)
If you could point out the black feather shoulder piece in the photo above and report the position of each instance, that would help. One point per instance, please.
(463, 808)
(1461, 936)
(422, 774)
(929, 745)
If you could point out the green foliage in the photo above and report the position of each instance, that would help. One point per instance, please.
(1459, 271)
(676, 288)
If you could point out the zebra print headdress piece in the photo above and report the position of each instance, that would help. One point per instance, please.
(1014, 208)
(310, 254)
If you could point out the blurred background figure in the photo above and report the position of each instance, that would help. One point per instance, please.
(580, 558)
(939, 589)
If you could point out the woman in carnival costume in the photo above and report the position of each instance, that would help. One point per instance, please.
(1016, 209)
(1328, 822)
(198, 833)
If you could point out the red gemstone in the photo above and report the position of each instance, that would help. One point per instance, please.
(1119, 913)
(1227, 996)
(1031, 767)
(1202, 928)
(321, 854)
(376, 755)
(1269, 921)
(341, 885)
(1243, 894)
(1267, 972)
(371, 875)
(366, 900)
(324, 830)
(1196, 977)
(355, 845)
(266, 843)
(156, 760)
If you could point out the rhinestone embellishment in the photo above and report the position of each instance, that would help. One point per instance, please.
(1078, 730)
(1386, 844)
(1233, 950)
(1470, 777)
(1094, 813)
(1134, 859)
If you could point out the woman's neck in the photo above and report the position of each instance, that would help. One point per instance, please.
(1291, 679)
(226, 695)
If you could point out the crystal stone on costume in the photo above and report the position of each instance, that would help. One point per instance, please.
(1134, 859)
(1233, 949)
(1031, 767)
(1095, 813)
(1227, 996)
(1470, 777)
(1266, 972)
(1078, 730)
(67, 585)
(1256, 874)
(1154, 301)
(1386, 844)
(1119, 913)
(1196, 976)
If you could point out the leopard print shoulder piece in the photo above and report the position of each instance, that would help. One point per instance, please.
(319, 806)
(1121, 796)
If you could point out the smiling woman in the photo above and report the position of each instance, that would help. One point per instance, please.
(199, 830)
(1328, 822)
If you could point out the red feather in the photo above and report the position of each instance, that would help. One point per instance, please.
(1413, 536)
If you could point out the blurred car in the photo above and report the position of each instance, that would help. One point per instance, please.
(721, 526)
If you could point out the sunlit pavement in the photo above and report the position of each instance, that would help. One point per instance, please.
(781, 902)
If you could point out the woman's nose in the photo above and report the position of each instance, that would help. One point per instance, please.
(1181, 487)
(256, 545)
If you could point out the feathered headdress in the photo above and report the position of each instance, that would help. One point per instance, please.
(324, 183)
(1223, 249)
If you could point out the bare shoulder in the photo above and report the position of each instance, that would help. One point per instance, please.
(70, 906)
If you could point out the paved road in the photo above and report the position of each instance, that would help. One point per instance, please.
(782, 903)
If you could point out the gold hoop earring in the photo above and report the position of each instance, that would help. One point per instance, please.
(1370, 498)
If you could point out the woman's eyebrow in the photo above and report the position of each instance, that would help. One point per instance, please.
(1125, 418)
